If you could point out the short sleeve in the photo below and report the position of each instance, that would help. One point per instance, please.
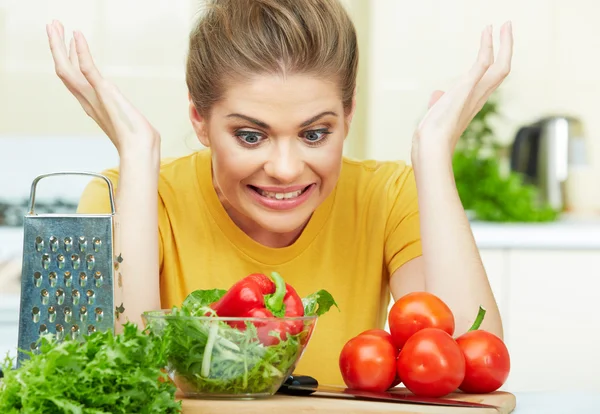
(402, 232)
(95, 200)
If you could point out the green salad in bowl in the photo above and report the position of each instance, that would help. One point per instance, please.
(243, 342)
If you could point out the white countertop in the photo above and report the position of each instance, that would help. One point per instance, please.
(568, 402)
(567, 233)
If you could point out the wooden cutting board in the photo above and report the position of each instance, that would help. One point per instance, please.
(279, 404)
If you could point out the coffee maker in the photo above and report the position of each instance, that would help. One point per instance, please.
(544, 151)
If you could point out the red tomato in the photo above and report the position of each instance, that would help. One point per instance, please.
(431, 363)
(416, 311)
(368, 362)
(380, 333)
(387, 336)
(487, 362)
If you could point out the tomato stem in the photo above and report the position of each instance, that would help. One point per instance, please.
(478, 319)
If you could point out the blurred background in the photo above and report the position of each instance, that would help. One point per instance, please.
(527, 168)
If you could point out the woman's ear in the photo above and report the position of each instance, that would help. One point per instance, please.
(350, 114)
(199, 124)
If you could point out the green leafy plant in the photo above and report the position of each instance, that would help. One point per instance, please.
(103, 373)
(484, 189)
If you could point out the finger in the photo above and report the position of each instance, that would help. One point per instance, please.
(434, 98)
(501, 67)
(62, 63)
(86, 62)
(498, 72)
(73, 54)
(60, 29)
(485, 57)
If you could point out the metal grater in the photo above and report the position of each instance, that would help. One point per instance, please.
(67, 275)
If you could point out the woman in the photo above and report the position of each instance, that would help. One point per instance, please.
(271, 94)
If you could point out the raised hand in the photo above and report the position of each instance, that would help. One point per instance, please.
(450, 113)
(126, 127)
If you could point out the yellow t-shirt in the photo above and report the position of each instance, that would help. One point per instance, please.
(365, 230)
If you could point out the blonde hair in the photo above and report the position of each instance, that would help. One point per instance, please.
(235, 39)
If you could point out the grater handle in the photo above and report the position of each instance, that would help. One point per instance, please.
(39, 177)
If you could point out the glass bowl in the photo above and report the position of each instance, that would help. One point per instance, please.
(227, 357)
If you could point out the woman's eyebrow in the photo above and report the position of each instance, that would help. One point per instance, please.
(250, 119)
(316, 118)
(264, 125)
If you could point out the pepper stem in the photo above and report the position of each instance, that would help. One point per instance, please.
(478, 319)
(274, 301)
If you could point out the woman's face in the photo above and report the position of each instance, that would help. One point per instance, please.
(277, 148)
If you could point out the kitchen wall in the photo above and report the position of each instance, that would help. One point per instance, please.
(417, 47)
(408, 49)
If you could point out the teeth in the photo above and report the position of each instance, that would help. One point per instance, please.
(279, 196)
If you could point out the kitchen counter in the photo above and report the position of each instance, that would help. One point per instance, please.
(557, 402)
(526, 403)
(567, 233)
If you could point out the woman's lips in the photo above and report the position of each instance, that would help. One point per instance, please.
(276, 198)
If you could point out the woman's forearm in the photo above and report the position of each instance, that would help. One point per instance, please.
(453, 266)
(136, 234)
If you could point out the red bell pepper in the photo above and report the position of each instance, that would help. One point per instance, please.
(292, 301)
(253, 297)
(242, 297)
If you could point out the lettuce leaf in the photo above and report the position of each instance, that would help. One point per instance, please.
(102, 373)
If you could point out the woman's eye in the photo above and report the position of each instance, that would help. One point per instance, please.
(316, 135)
(248, 137)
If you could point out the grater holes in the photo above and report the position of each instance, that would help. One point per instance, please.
(43, 329)
(68, 315)
(52, 279)
(98, 278)
(68, 279)
(82, 244)
(45, 260)
(37, 279)
(76, 297)
(91, 261)
(99, 314)
(51, 314)
(35, 314)
(91, 297)
(53, 243)
(91, 329)
(74, 331)
(97, 244)
(33, 346)
(68, 243)
(60, 261)
(82, 279)
(75, 261)
(45, 297)
(60, 296)
(39, 244)
(60, 331)
(83, 315)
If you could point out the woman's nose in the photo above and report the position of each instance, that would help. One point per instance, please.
(285, 164)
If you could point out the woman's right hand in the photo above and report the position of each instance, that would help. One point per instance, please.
(126, 127)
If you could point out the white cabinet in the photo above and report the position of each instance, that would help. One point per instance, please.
(553, 320)
(548, 299)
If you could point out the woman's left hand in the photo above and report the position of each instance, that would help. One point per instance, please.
(450, 113)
